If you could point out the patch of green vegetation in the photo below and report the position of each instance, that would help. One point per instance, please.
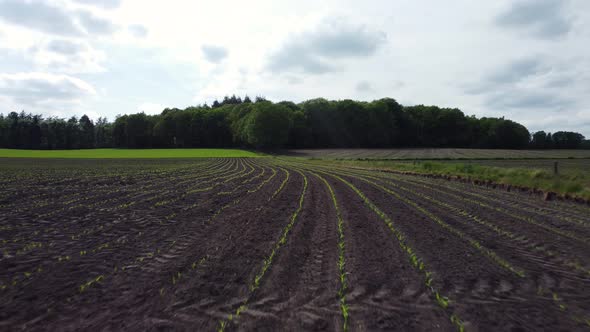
(128, 153)
(573, 183)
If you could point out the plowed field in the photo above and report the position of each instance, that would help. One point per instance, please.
(277, 244)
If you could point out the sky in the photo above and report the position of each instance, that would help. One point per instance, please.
(526, 60)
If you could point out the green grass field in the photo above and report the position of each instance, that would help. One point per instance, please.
(127, 153)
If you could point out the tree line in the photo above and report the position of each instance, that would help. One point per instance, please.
(262, 124)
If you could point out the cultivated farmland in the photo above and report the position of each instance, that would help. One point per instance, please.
(436, 153)
(281, 244)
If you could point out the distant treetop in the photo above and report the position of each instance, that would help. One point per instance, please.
(315, 123)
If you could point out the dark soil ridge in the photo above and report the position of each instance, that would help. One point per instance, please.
(491, 197)
(299, 291)
(462, 268)
(83, 307)
(85, 213)
(546, 195)
(503, 218)
(220, 257)
(385, 292)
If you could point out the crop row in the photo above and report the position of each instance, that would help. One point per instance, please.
(518, 271)
(255, 283)
(416, 262)
(101, 277)
(112, 201)
(44, 199)
(67, 258)
(518, 202)
(473, 242)
(341, 259)
(529, 220)
(520, 239)
(175, 245)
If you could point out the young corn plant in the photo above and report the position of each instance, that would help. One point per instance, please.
(558, 302)
(521, 239)
(223, 324)
(282, 186)
(341, 259)
(473, 242)
(237, 200)
(89, 283)
(418, 264)
(274, 173)
(529, 220)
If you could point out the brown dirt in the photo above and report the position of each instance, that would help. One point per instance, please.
(85, 247)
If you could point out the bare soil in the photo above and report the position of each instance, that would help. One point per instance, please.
(209, 244)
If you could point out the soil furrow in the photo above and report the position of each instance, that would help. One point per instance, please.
(282, 244)
(300, 291)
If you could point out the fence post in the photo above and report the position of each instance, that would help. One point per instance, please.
(555, 170)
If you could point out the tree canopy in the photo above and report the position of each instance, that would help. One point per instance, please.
(316, 123)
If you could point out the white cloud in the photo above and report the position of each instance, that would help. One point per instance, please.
(105, 4)
(138, 30)
(542, 18)
(523, 59)
(540, 84)
(50, 18)
(67, 56)
(39, 16)
(316, 50)
(214, 53)
(66, 47)
(42, 89)
(363, 86)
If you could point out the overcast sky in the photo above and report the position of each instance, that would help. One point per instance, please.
(527, 60)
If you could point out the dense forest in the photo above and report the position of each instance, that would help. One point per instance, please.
(316, 123)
